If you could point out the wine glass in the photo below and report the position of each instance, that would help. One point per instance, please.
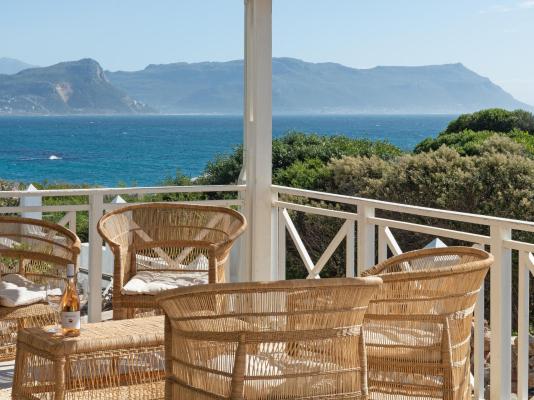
(53, 298)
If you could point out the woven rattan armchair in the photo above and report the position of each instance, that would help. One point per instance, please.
(39, 251)
(418, 325)
(280, 340)
(167, 238)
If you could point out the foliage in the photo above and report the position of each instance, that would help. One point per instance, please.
(308, 174)
(82, 218)
(296, 150)
(471, 143)
(494, 119)
(179, 180)
(470, 131)
(225, 169)
(490, 183)
(5, 186)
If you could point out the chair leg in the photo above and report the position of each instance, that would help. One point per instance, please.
(120, 313)
(60, 379)
(19, 371)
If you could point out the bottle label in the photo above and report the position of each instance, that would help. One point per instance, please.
(70, 320)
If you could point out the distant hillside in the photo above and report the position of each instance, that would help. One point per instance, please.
(302, 87)
(11, 66)
(78, 87)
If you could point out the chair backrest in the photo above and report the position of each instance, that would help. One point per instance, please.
(163, 236)
(37, 249)
(418, 325)
(289, 339)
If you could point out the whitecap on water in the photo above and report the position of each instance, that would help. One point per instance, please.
(54, 157)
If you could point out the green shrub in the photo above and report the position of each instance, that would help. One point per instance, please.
(294, 148)
(469, 142)
(468, 132)
(490, 183)
(495, 182)
(308, 174)
(494, 119)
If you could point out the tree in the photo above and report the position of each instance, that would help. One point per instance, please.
(296, 147)
(470, 143)
(469, 131)
(494, 119)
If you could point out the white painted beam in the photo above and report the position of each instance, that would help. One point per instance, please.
(258, 138)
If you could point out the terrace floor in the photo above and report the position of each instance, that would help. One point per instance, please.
(6, 378)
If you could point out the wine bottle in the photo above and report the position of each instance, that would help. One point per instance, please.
(70, 306)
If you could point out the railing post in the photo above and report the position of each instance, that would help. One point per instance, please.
(523, 327)
(351, 241)
(72, 221)
(501, 317)
(275, 219)
(96, 209)
(366, 238)
(382, 244)
(31, 200)
(282, 246)
(478, 338)
(241, 270)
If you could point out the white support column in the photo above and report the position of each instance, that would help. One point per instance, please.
(501, 315)
(96, 210)
(366, 239)
(258, 137)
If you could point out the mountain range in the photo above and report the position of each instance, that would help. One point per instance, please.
(299, 87)
(79, 87)
(12, 66)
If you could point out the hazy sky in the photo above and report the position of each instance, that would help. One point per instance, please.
(493, 37)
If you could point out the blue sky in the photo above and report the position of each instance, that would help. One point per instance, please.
(493, 37)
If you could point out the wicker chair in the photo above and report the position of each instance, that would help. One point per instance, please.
(418, 325)
(39, 251)
(280, 340)
(161, 237)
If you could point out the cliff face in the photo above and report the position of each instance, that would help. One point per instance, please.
(78, 87)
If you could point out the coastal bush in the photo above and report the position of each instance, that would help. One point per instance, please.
(471, 143)
(307, 174)
(297, 147)
(82, 218)
(5, 186)
(469, 131)
(494, 119)
(490, 183)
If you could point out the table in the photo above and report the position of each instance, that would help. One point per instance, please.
(117, 360)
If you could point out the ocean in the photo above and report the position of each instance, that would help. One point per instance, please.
(144, 150)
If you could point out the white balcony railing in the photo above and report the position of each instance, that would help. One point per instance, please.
(371, 244)
(375, 238)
